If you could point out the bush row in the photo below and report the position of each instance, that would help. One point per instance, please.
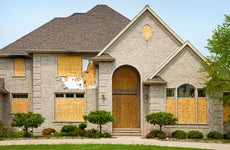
(193, 134)
(79, 131)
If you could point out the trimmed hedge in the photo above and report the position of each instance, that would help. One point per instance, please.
(179, 134)
(68, 128)
(227, 135)
(156, 133)
(195, 134)
(215, 135)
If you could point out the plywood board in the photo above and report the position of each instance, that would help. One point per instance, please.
(125, 79)
(69, 66)
(69, 109)
(202, 111)
(19, 67)
(20, 105)
(171, 106)
(186, 110)
(226, 110)
(125, 110)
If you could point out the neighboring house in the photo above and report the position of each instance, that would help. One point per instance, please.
(102, 60)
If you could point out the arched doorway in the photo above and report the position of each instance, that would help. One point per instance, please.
(125, 100)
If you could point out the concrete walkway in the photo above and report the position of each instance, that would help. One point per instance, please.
(118, 140)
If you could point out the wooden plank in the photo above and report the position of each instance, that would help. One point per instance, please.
(125, 110)
(69, 109)
(202, 111)
(171, 106)
(19, 67)
(226, 110)
(186, 110)
(20, 105)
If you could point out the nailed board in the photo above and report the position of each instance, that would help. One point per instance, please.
(69, 109)
(69, 65)
(125, 110)
(171, 106)
(125, 79)
(186, 110)
(19, 67)
(202, 111)
(226, 110)
(20, 105)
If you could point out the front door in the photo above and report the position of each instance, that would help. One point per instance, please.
(125, 103)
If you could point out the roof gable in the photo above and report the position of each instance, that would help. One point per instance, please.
(92, 30)
(147, 9)
(174, 56)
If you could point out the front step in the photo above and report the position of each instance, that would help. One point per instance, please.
(126, 132)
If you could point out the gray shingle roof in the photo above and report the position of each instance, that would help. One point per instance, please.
(92, 30)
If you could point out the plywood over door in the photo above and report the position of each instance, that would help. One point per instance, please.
(125, 103)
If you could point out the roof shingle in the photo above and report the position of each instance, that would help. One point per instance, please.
(92, 30)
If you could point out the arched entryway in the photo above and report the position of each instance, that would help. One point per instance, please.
(125, 102)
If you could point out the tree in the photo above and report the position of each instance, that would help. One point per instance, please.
(161, 118)
(218, 63)
(99, 117)
(27, 120)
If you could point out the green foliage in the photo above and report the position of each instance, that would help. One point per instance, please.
(161, 118)
(99, 117)
(179, 134)
(18, 134)
(48, 131)
(227, 135)
(218, 63)
(161, 135)
(4, 131)
(68, 129)
(82, 125)
(27, 120)
(215, 135)
(194, 134)
(156, 133)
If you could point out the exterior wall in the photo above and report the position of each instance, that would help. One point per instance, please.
(182, 70)
(15, 84)
(46, 83)
(144, 55)
(1, 111)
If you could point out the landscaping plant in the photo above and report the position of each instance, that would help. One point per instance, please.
(27, 120)
(195, 134)
(161, 119)
(99, 117)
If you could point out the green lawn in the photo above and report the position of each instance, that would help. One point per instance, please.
(90, 147)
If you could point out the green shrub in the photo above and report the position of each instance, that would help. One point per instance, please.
(91, 133)
(215, 135)
(28, 134)
(48, 131)
(161, 135)
(152, 134)
(4, 131)
(18, 134)
(179, 134)
(68, 128)
(156, 133)
(57, 134)
(227, 135)
(195, 134)
(107, 135)
(82, 126)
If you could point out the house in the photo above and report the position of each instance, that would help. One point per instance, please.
(102, 60)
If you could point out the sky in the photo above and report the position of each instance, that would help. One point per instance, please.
(192, 20)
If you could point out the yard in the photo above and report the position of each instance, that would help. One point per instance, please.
(90, 147)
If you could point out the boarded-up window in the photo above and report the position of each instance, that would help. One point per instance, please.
(19, 67)
(202, 110)
(70, 107)
(186, 110)
(69, 66)
(20, 103)
(226, 110)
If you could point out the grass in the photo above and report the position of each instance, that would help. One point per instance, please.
(90, 147)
